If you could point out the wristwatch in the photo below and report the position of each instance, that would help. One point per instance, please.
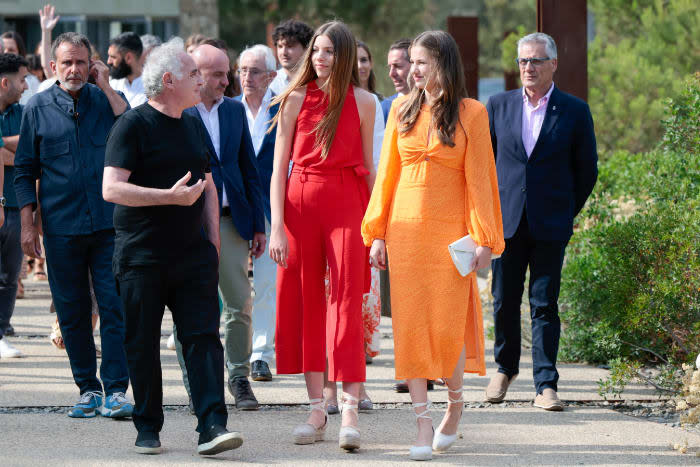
(2, 201)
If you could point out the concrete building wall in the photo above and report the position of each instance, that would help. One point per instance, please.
(199, 16)
(98, 8)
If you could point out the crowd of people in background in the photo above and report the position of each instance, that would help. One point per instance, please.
(167, 174)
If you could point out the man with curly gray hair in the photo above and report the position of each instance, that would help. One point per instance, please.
(157, 173)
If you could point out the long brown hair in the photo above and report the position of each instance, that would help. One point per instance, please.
(372, 81)
(343, 73)
(449, 75)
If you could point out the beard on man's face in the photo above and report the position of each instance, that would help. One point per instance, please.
(120, 71)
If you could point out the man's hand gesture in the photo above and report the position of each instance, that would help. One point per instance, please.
(47, 18)
(183, 195)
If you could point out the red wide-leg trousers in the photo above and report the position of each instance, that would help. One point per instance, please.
(323, 213)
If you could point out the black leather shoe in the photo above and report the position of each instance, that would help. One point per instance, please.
(402, 386)
(261, 371)
(242, 393)
(9, 330)
(218, 439)
(147, 443)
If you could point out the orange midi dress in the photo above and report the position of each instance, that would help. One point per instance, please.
(426, 196)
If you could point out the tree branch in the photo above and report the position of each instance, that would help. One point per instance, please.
(646, 350)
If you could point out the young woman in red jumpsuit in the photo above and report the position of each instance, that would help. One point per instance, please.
(325, 125)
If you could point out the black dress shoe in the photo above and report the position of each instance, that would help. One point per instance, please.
(9, 330)
(261, 371)
(402, 386)
(242, 393)
(218, 439)
(147, 443)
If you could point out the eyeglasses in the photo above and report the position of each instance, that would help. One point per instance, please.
(253, 72)
(536, 61)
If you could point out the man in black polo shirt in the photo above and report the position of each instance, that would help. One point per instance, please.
(167, 247)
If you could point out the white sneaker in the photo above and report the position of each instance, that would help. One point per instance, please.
(171, 342)
(7, 350)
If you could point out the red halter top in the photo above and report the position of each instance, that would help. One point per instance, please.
(346, 149)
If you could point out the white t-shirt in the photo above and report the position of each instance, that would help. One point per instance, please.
(133, 91)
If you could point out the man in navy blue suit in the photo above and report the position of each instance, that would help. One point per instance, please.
(256, 66)
(546, 159)
(235, 175)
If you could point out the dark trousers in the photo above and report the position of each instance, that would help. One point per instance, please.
(189, 288)
(10, 265)
(385, 291)
(68, 259)
(545, 259)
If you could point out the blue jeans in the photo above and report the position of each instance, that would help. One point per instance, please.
(68, 259)
(10, 265)
(545, 259)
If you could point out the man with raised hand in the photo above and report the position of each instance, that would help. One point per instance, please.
(62, 145)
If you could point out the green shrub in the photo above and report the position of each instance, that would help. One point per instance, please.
(633, 285)
(631, 288)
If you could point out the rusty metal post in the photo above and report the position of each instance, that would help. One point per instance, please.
(566, 21)
(465, 30)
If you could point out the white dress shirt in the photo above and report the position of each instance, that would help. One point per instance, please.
(32, 88)
(281, 81)
(211, 122)
(378, 131)
(258, 124)
(133, 91)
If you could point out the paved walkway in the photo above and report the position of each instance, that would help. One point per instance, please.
(35, 392)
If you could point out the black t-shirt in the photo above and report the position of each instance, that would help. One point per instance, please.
(158, 150)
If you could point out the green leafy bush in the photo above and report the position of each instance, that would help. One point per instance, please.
(635, 284)
(631, 290)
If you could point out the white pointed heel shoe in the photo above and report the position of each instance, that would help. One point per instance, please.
(441, 441)
(421, 453)
(308, 433)
(349, 437)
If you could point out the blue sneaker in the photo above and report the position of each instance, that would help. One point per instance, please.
(88, 405)
(117, 406)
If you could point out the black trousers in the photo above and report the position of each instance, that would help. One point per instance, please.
(189, 288)
(545, 260)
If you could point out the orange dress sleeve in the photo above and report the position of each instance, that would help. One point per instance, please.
(483, 204)
(377, 215)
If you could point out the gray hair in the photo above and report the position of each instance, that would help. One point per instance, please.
(162, 59)
(149, 41)
(72, 38)
(550, 46)
(261, 51)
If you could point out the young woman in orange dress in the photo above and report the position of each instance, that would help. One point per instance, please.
(324, 126)
(436, 183)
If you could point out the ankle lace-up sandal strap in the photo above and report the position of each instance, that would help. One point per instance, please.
(424, 414)
(352, 405)
(317, 404)
(457, 400)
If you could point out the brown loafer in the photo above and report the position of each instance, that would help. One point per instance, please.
(498, 387)
(549, 400)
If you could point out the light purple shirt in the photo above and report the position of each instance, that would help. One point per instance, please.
(533, 117)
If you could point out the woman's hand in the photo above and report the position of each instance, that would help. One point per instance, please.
(377, 254)
(279, 246)
(482, 259)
